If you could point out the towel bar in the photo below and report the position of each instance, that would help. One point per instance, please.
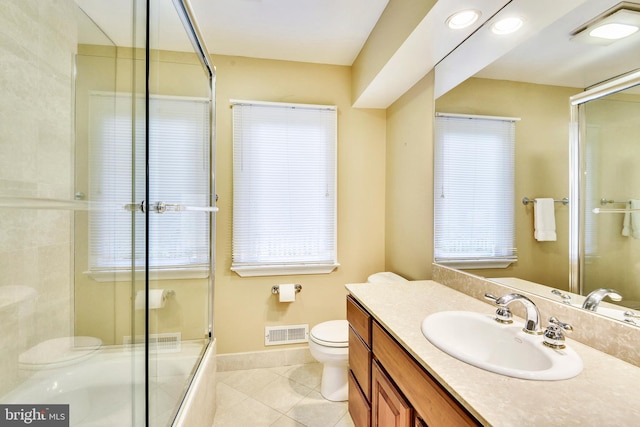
(608, 211)
(605, 201)
(526, 201)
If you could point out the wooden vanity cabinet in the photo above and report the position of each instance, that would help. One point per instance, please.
(387, 387)
(360, 357)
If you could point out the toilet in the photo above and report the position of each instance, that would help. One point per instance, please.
(329, 345)
(57, 353)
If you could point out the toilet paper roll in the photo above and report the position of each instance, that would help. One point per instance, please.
(157, 299)
(287, 293)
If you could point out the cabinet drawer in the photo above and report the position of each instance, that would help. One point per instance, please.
(358, 405)
(430, 400)
(360, 362)
(359, 320)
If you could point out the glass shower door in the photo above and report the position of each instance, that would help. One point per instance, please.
(179, 207)
(605, 224)
(611, 236)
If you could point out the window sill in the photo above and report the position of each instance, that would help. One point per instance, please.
(154, 274)
(283, 270)
(476, 263)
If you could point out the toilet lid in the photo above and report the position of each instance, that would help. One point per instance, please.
(58, 352)
(333, 333)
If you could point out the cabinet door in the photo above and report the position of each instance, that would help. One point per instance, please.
(419, 422)
(388, 407)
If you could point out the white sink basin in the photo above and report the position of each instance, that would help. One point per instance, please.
(504, 349)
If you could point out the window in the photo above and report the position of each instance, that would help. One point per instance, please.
(284, 188)
(179, 173)
(474, 191)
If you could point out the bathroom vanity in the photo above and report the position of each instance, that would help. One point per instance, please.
(382, 373)
(398, 378)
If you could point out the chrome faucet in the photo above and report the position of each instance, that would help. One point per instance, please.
(532, 325)
(594, 298)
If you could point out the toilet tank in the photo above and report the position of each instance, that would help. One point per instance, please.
(385, 277)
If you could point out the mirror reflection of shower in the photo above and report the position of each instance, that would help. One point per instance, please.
(609, 185)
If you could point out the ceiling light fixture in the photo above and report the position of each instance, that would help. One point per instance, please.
(610, 26)
(613, 31)
(507, 25)
(463, 19)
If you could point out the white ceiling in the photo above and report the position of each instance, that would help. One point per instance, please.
(334, 31)
(320, 31)
(553, 57)
(544, 52)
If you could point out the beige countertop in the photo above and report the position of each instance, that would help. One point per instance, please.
(606, 393)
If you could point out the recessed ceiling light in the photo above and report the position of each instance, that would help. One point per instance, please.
(614, 24)
(507, 25)
(463, 19)
(613, 31)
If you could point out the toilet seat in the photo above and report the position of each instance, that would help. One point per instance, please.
(59, 352)
(333, 333)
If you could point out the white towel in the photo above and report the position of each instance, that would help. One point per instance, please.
(631, 222)
(544, 220)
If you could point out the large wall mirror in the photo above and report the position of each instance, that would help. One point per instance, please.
(535, 75)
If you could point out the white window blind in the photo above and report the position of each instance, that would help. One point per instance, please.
(474, 191)
(284, 188)
(179, 173)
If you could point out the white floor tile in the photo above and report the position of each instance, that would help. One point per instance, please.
(285, 421)
(227, 396)
(286, 396)
(282, 394)
(248, 381)
(249, 412)
(316, 411)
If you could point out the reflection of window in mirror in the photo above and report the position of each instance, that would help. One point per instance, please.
(474, 191)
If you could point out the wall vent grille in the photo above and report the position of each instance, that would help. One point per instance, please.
(291, 334)
(158, 343)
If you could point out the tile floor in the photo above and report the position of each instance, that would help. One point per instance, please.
(287, 396)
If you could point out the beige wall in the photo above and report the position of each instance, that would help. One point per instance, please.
(409, 180)
(37, 43)
(244, 306)
(541, 164)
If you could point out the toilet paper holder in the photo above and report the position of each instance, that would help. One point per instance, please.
(275, 289)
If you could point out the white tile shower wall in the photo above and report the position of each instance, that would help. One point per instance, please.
(38, 41)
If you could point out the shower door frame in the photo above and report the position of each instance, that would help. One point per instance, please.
(577, 140)
(187, 17)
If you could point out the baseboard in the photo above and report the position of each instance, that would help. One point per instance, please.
(264, 359)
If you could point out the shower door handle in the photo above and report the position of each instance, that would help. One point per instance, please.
(162, 207)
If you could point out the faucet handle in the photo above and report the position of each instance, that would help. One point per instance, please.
(490, 297)
(566, 298)
(503, 314)
(554, 335)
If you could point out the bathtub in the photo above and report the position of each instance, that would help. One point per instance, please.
(107, 389)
